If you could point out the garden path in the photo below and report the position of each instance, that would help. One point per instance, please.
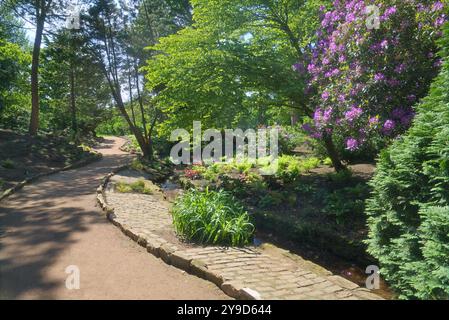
(264, 272)
(55, 223)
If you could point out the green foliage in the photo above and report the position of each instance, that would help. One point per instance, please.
(141, 164)
(66, 59)
(8, 164)
(408, 211)
(233, 66)
(137, 165)
(272, 199)
(290, 167)
(212, 217)
(327, 161)
(340, 177)
(346, 202)
(14, 72)
(138, 187)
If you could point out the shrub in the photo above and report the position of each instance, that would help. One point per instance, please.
(192, 174)
(8, 164)
(366, 80)
(409, 208)
(212, 217)
(290, 167)
(346, 203)
(272, 199)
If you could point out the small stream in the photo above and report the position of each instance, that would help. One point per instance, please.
(171, 189)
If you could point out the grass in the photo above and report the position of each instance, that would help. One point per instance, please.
(137, 187)
(212, 217)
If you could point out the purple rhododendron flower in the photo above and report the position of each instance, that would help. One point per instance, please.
(389, 12)
(373, 121)
(379, 77)
(437, 6)
(398, 113)
(352, 144)
(389, 125)
(353, 114)
(317, 115)
(411, 98)
(406, 119)
(327, 114)
(400, 68)
(307, 127)
(311, 68)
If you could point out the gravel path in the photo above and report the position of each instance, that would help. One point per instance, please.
(55, 223)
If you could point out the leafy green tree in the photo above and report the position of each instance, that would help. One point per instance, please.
(74, 91)
(38, 12)
(234, 64)
(154, 19)
(115, 32)
(14, 63)
(409, 208)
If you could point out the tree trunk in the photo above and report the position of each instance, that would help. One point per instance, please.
(34, 121)
(140, 100)
(143, 143)
(73, 98)
(333, 154)
(294, 118)
(133, 115)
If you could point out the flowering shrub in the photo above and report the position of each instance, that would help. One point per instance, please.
(192, 174)
(368, 78)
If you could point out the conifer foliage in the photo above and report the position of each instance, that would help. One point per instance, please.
(409, 209)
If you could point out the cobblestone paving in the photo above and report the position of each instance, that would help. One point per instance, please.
(146, 219)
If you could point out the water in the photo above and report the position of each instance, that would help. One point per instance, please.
(171, 190)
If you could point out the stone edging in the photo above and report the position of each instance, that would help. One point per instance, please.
(75, 165)
(171, 254)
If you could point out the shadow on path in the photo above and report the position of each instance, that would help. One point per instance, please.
(55, 222)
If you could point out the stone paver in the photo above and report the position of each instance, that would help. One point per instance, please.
(247, 273)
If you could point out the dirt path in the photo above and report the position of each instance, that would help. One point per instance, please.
(55, 223)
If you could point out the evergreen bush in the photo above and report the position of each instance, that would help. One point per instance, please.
(409, 208)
